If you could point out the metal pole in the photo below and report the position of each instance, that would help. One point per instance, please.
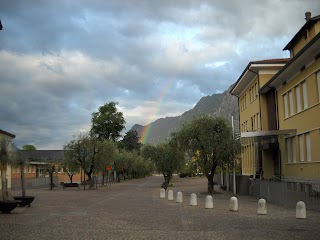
(84, 170)
(234, 162)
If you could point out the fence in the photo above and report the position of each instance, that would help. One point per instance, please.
(287, 193)
(32, 182)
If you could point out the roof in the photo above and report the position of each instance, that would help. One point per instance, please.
(261, 63)
(7, 133)
(276, 60)
(42, 155)
(301, 32)
(306, 54)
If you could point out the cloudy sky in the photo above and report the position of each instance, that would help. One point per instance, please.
(60, 60)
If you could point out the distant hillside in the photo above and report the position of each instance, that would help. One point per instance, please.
(222, 104)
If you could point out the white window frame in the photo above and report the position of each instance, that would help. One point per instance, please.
(298, 98)
(301, 147)
(305, 94)
(291, 107)
(289, 149)
(308, 147)
(285, 105)
(294, 151)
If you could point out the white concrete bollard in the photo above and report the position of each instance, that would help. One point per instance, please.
(209, 202)
(193, 199)
(162, 193)
(262, 207)
(170, 195)
(233, 204)
(179, 197)
(301, 210)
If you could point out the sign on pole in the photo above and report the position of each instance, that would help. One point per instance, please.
(108, 167)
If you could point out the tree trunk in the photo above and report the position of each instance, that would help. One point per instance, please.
(103, 176)
(210, 183)
(4, 182)
(210, 179)
(91, 184)
(71, 178)
(23, 187)
(166, 182)
(51, 180)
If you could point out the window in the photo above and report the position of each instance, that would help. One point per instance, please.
(305, 95)
(294, 155)
(252, 126)
(289, 149)
(256, 89)
(33, 169)
(301, 144)
(286, 107)
(298, 98)
(250, 93)
(308, 146)
(291, 102)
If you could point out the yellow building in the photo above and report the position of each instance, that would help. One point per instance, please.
(7, 137)
(257, 120)
(279, 103)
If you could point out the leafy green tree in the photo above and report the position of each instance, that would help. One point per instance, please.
(167, 157)
(70, 165)
(105, 157)
(107, 123)
(210, 141)
(50, 168)
(28, 147)
(86, 150)
(131, 142)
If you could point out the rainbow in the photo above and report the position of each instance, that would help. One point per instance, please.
(145, 133)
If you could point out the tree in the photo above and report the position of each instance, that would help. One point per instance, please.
(70, 165)
(50, 168)
(86, 150)
(105, 157)
(131, 142)
(167, 157)
(107, 123)
(28, 147)
(210, 141)
(4, 161)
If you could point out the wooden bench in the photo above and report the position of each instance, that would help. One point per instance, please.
(67, 185)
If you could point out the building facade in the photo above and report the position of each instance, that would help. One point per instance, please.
(279, 103)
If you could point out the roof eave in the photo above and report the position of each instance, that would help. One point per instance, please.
(298, 34)
(303, 50)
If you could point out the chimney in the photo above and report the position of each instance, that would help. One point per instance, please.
(308, 16)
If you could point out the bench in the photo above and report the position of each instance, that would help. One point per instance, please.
(67, 185)
(52, 186)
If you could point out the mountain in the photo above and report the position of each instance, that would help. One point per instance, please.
(221, 104)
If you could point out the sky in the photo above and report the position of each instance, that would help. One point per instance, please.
(60, 60)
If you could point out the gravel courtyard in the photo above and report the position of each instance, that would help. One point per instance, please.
(134, 210)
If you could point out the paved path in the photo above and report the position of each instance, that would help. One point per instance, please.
(134, 210)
